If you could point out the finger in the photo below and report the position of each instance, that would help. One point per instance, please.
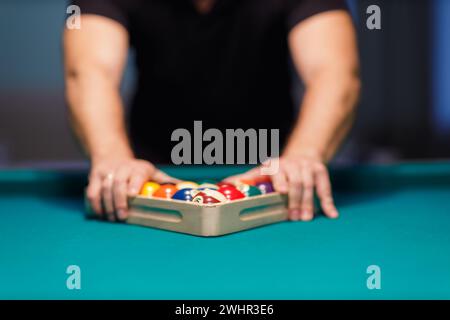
(323, 189)
(295, 192)
(280, 182)
(251, 174)
(107, 196)
(160, 177)
(93, 194)
(136, 181)
(307, 205)
(120, 192)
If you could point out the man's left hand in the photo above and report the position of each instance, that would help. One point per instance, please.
(299, 177)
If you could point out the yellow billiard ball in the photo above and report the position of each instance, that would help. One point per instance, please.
(149, 189)
(208, 186)
(186, 185)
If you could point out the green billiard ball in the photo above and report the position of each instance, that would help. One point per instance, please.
(253, 191)
(248, 190)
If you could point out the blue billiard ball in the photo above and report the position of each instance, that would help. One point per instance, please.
(183, 194)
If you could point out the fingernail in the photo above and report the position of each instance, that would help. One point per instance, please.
(307, 215)
(334, 214)
(122, 214)
(294, 215)
(282, 189)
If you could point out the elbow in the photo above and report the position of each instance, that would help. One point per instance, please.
(78, 82)
(347, 87)
(84, 79)
(72, 85)
(352, 90)
(339, 86)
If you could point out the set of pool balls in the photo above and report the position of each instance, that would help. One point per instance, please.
(207, 192)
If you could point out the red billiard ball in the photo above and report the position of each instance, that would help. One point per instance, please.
(231, 193)
(225, 184)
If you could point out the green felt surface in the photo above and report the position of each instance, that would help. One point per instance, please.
(397, 217)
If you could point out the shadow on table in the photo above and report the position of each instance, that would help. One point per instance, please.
(369, 183)
(350, 185)
(61, 188)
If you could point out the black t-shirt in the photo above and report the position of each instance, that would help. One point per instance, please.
(228, 67)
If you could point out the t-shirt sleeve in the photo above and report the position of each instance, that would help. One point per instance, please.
(113, 9)
(299, 10)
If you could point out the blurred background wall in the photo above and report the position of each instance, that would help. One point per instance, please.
(404, 111)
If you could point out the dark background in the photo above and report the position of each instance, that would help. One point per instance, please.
(404, 111)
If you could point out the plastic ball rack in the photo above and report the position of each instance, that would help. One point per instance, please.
(207, 220)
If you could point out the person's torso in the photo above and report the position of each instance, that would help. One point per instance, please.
(227, 67)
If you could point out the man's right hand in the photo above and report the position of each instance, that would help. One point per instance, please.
(112, 181)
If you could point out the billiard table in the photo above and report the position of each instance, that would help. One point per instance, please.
(396, 217)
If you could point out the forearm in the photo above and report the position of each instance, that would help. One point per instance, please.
(326, 115)
(94, 60)
(97, 113)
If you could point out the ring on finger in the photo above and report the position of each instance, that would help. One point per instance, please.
(108, 179)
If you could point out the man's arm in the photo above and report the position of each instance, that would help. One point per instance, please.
(324, 51)
(94, 62)
(325, 54)
(95, 57)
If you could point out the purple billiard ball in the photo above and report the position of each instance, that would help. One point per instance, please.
(265, 187)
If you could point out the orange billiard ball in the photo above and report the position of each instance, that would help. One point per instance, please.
(250, 182)
(165, 191)
(262, 179)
